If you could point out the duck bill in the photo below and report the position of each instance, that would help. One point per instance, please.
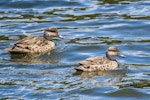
(123, 56)
(58, 37)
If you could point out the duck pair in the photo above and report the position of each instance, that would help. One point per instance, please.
(39, 44)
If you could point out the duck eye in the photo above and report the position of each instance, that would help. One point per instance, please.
(88, 67)
(52, 31)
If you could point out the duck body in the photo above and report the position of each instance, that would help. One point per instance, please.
(32, 44)
(100, 63)
(35, 44)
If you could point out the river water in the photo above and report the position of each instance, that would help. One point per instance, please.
(87, 28)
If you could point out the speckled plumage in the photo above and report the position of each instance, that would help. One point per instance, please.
(35, 44)
(100, 63)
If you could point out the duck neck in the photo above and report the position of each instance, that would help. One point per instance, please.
(47, 37)
(110, 57)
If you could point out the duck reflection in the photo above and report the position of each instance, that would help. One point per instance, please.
(52, 58)
(103, 78)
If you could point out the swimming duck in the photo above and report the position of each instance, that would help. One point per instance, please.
(101, 63)
(35, 44)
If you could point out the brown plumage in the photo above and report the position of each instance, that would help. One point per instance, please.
(101, 63)
(35, 44)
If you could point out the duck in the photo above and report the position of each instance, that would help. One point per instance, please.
(35, 44)
(100, 63)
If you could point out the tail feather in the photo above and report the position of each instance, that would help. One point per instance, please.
(8, 49)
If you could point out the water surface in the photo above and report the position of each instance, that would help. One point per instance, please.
(88, 27)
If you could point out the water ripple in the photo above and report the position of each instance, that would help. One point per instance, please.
(87, 28)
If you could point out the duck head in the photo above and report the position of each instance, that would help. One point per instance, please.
(112, 52)
(49, 33)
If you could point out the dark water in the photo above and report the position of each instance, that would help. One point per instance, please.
(88, 27)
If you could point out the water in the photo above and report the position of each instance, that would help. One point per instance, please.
(88, 27)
